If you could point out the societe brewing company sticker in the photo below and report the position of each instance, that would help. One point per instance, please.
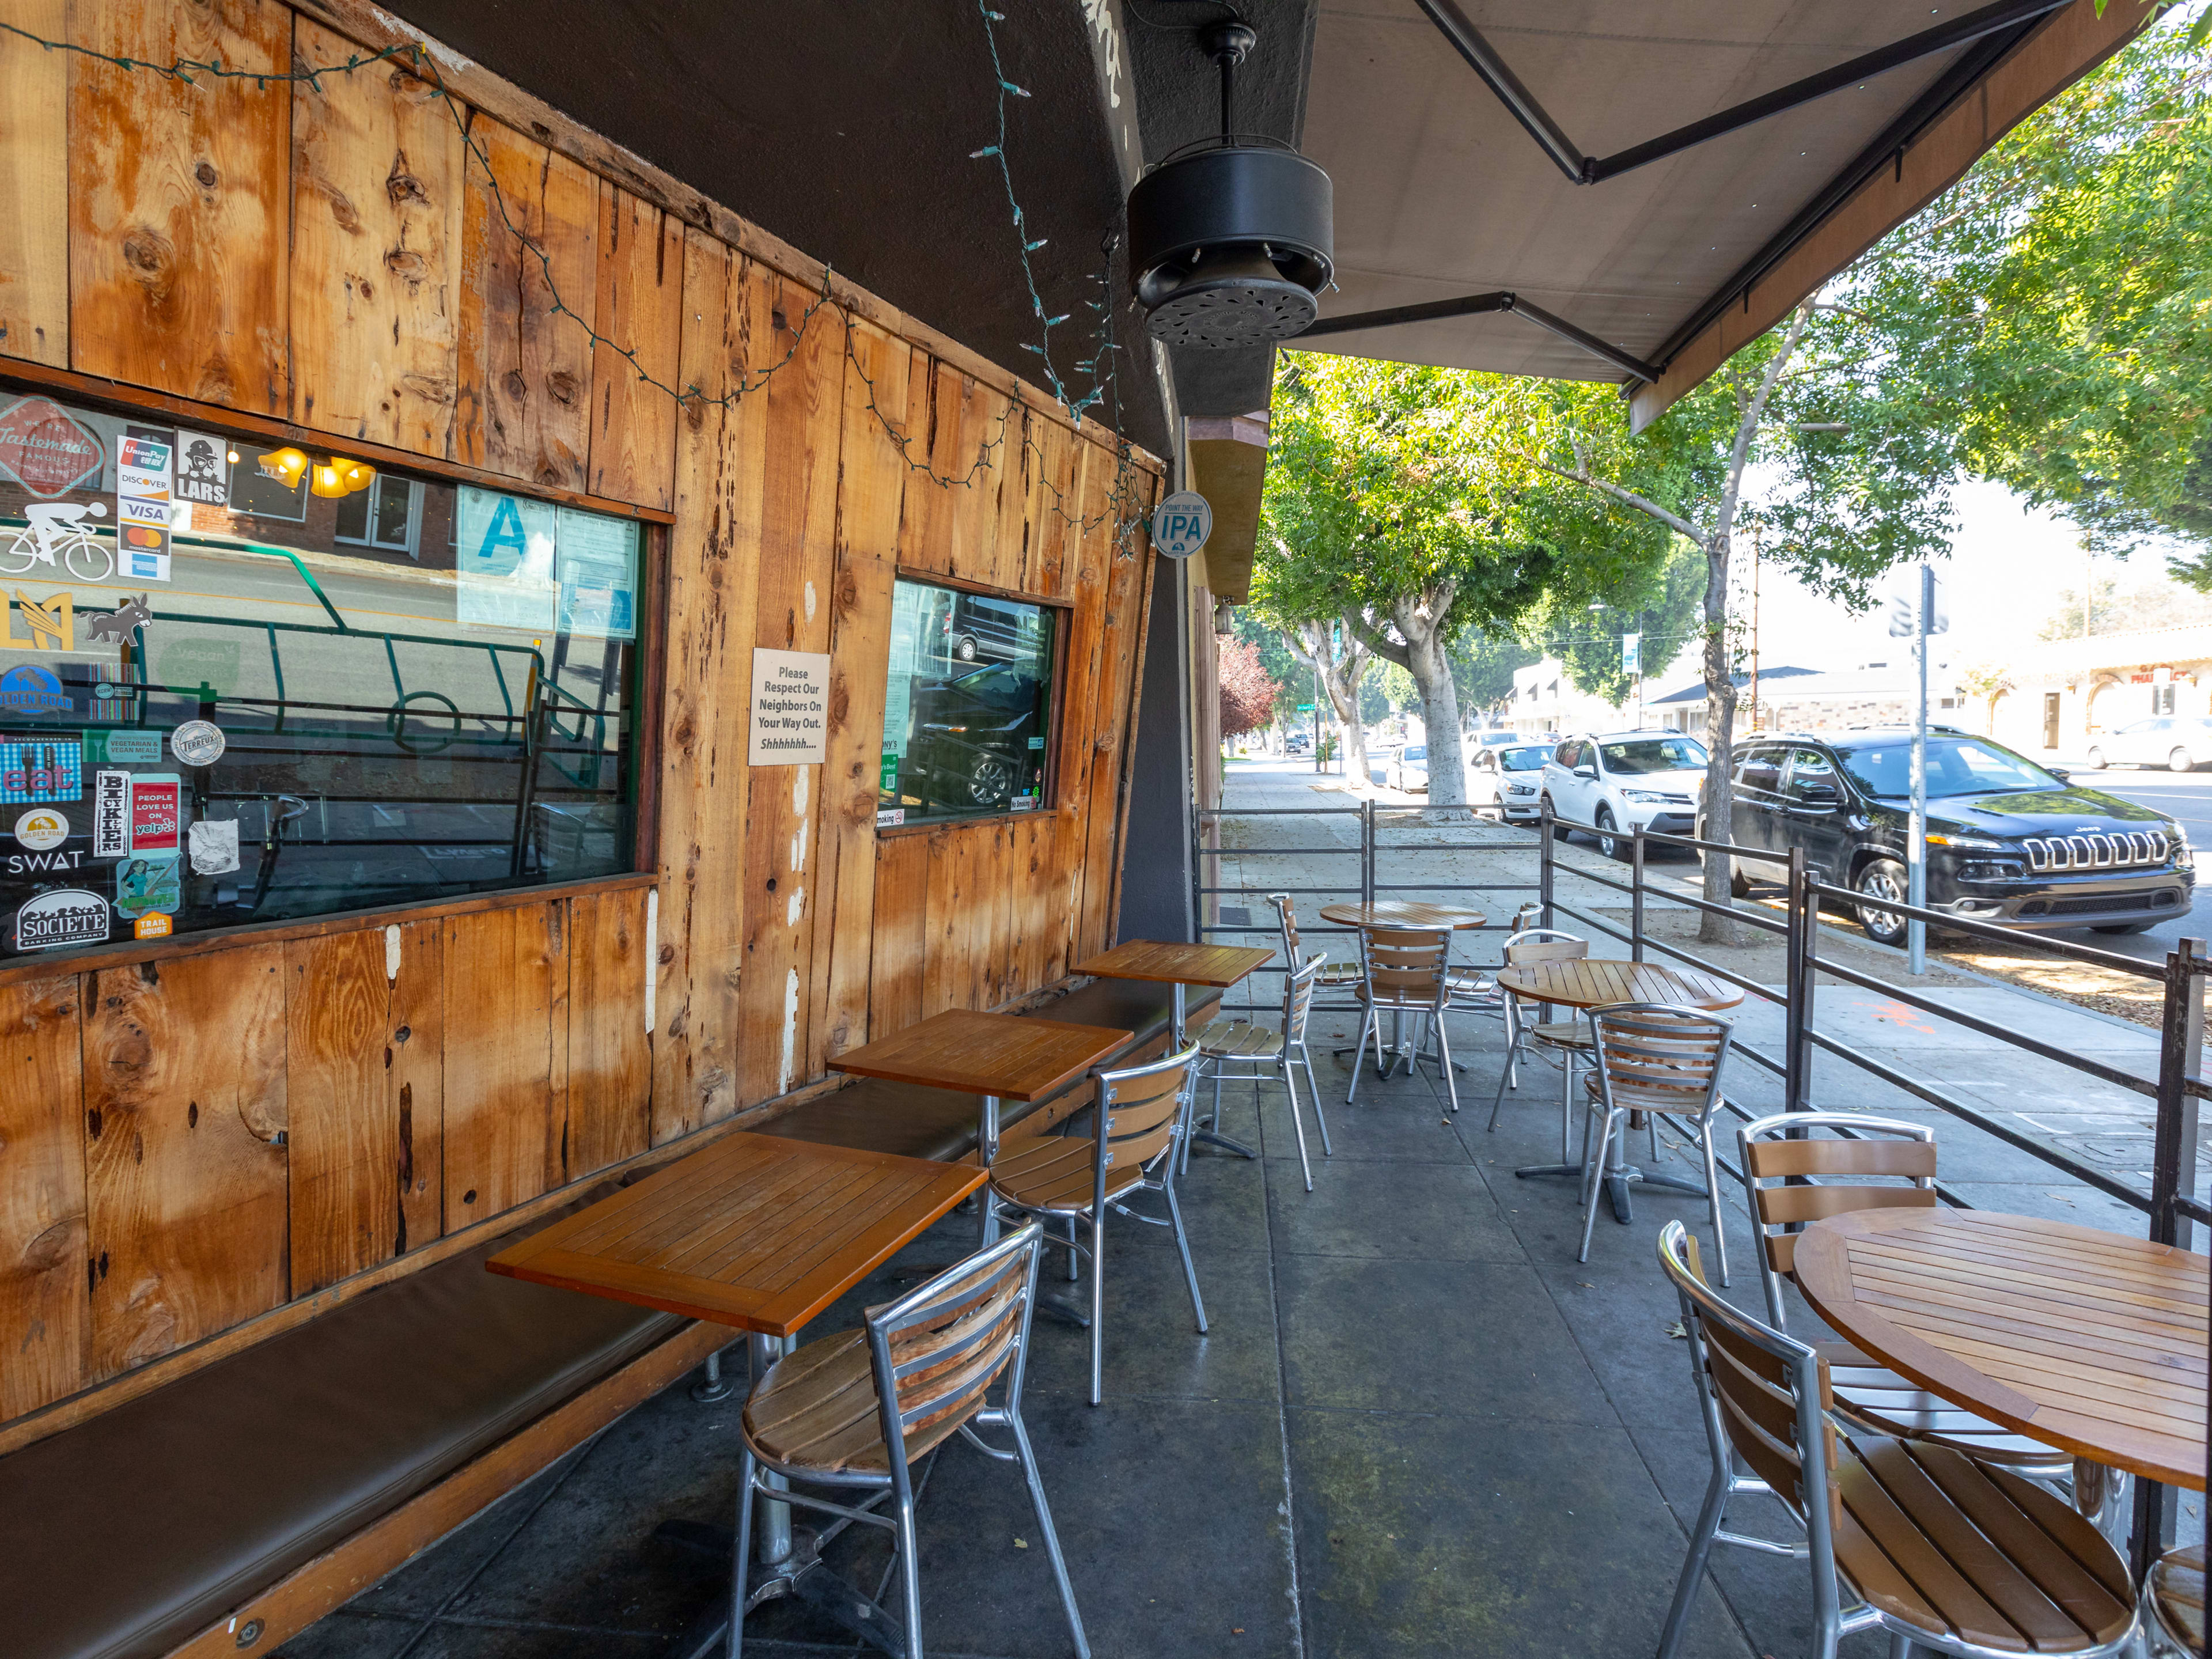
(52, 921)
(41, 828)
(197, 743)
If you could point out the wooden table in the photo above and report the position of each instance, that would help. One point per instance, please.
(993, 1056)
(1402, 912)
(1589, 982)
(2090, 1341)
(1178, 966)
(760, 1234)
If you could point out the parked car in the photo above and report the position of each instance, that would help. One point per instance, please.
(1408, 771)
(2008, 841)
(1619, 780)
(969, 747)
(1506, 780)
(2180, 742)
(1297, 742)
(972, 627)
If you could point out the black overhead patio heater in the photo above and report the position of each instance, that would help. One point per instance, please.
(1229, 238)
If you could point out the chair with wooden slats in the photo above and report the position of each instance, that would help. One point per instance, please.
(1568, 1039)
(1659, 1061)
(2173, 1604)
(1941, 1552)
(1139, 1119)
(1404, 971)
(855, 1411)
(1837, 1176)
(1268, 1052)
(1339, 977)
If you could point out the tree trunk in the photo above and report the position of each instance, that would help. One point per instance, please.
(1720, 737)
(1339, 676)
(1432, 675)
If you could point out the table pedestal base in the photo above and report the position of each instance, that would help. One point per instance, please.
(1618, 1180)
(800, 1574)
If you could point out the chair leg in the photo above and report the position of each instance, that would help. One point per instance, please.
(1099, 1305)
(1506, 1078)
(1190, 1272)
(735, 1648)
(1444, 1063)
(1693, 1564)
(909, 1577)
(1359, 1053)
(1566, 1112)
(1320, 1117)
(1713, 1194)
(1051, 1537)
(1291, 1087)
(1594, 1183)
(1900, 1645)
(1214, 1123)
(1074, 1258)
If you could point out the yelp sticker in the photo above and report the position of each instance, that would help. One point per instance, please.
(41, 828)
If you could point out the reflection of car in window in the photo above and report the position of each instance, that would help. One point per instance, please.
(970, 745)
(972, 626)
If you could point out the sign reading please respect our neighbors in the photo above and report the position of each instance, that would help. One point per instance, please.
(790, 707)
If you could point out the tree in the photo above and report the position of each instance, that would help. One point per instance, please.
(1340, 661)
(1661, 605)
(1248, 695)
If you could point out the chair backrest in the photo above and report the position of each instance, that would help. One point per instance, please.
(1778, 1148)
(1286, 915)
(1544, 945)
(937, 1348)
(1658, 1057)
(1408, 966)
(1764, 1396)
(1140, 1110)
(1298, 998)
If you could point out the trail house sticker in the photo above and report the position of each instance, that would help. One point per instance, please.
(52, 921)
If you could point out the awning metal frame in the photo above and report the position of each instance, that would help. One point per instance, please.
(1474, 304)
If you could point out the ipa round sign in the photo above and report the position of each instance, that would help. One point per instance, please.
(1182, 523)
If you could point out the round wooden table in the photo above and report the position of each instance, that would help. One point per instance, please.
(1588, 982)
(1402, 912)
(2090, 1341)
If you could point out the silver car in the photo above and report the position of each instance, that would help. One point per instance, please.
(2180, 742)
(1507, 781)
(1409, 769)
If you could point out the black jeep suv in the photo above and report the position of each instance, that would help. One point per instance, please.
(2007, 841)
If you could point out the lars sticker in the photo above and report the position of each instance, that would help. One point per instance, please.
(42, 829)
(144, 884)
(54, 921)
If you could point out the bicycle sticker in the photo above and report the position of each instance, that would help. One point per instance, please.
(144, 884)
(34, 770)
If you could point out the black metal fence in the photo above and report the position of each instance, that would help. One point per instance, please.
(2169, 1202)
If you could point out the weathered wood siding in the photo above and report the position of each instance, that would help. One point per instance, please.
(203, 1136)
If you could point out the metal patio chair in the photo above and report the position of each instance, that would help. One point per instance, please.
(1939, 1551)
(1661, 1060)
(1140, 1115)
(1869, 1396)
(1404, 971)
(1568, 1039)
(855, 1411)
(1341, 977)
(1269, 1052)
(2173, 1605)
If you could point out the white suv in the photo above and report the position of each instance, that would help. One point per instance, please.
(1619, 780)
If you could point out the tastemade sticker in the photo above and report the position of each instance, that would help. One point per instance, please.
(214, 845)
(791, 694)
(53, 920)
(144, 884)
(197, 743)
(111, 815)
(47, 450)
(42, 829)
(154, 812)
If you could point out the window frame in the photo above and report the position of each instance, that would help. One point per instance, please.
(21, 378)
(1063, 611)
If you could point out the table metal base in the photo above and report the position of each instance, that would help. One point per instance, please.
(1618, 1180)
(1223, 1141)
(801, 1574)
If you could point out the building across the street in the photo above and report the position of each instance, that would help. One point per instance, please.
(2054, 696)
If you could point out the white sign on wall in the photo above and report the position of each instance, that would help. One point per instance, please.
(790, 707)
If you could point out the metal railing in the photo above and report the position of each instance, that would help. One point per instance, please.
(2167, 1206)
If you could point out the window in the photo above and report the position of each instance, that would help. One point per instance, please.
(243, 684)
(1530, 759)
(2161, 698)
(968, 706)
(1812, 779)
(1955, 767)
(1569, 755)
(1760, 769)
(1640, 755)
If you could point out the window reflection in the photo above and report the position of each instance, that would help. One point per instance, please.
(968, 704)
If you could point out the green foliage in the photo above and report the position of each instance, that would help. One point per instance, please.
(2054, 308)
(1662, 605)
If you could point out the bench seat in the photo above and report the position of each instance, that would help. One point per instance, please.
(939, 1124)
(126, 1534)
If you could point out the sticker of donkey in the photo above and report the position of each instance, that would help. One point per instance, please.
(116, 625)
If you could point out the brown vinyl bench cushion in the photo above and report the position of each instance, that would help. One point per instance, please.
(914, 1122)
(125, 1535)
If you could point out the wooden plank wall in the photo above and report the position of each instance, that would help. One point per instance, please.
(191, 1143)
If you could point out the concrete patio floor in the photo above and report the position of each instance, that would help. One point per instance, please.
(1417, 1427)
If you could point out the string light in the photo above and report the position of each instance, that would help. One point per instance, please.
(1123, 506)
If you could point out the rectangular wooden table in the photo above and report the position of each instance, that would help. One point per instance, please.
(993, 1056)
(1161, 962)
(760, 1234)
